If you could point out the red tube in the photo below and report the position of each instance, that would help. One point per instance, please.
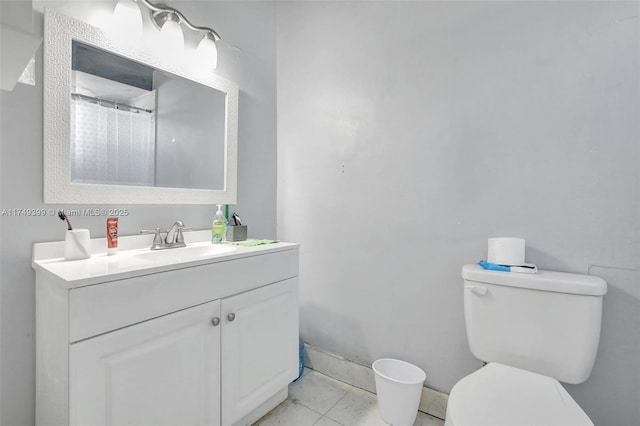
(112, 235)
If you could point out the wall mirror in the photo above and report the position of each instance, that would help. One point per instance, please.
(125, 125)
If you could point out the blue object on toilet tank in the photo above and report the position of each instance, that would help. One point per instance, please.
(494, 266)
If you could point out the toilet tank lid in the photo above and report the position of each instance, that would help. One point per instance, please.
(559, 282)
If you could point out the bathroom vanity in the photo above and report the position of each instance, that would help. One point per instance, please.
(206, 334)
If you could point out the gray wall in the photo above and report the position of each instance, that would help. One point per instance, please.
(247, 55)
(410, 132)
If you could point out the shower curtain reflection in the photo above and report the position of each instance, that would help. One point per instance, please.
(111, 146)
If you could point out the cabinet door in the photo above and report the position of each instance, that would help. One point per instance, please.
(165, 371)
(259, 346)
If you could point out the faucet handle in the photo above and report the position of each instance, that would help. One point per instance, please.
(179, 236)
(157, 238)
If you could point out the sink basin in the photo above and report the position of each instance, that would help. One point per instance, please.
(184, 254)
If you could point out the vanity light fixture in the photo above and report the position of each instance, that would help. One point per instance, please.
(172, 37)
(170, 21)
(207, 51)
(128, 16)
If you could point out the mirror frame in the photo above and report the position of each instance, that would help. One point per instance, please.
(59, 31)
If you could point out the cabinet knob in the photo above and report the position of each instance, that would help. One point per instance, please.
(231, 316)
(215, 321)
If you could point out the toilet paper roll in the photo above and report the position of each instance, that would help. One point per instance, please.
(506, 251)
(77, 244)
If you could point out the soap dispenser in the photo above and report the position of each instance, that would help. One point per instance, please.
(219, 227)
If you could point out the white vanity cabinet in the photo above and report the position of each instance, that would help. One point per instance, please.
(165, 371)
(213, 342)
(259, 346)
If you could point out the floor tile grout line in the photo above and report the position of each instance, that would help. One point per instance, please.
(297, 401)
(350, 389)
(325, 417)
(347, 389)
(336, 403)
(341, 381)
(349, 386)
(361, 388)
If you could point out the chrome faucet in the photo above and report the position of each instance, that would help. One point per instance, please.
(172, 235)
(173, 238)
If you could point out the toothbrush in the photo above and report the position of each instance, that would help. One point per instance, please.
(63, 216)
(236, 219)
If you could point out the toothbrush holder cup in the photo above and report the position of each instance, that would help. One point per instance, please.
(237, 233)
(77, 244)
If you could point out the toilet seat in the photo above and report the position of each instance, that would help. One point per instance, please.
(499, 395)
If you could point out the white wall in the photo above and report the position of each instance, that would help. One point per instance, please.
(410, 132)
(246, 55)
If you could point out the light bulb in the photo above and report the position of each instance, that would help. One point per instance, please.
(127, 20)
(208, 52)
(171, 36)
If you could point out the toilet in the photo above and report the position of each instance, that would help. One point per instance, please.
(533, 331)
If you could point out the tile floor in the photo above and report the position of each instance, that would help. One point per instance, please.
(319, 400)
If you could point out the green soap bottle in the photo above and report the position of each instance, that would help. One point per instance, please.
(219, 227)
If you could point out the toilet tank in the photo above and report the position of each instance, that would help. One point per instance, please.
(547, 323)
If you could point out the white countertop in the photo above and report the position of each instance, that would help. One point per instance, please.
(134, 258)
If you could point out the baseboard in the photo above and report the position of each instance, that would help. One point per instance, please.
(432, 402)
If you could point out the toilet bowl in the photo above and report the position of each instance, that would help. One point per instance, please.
(499, 395)
(534, 331)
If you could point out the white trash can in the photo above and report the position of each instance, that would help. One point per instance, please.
(399, 387)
